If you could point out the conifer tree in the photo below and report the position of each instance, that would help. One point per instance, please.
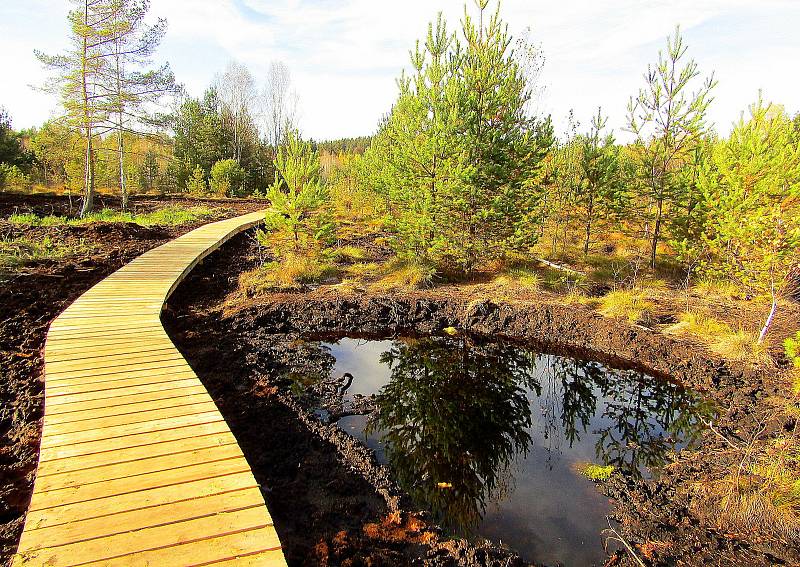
(600, 190)
(496, 208)
(753, 192)
(298, 217)
(668, 122)
(80, 73)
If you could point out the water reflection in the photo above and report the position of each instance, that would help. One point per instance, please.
(486, 435)
(452, 416)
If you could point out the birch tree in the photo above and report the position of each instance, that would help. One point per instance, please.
(278, 105)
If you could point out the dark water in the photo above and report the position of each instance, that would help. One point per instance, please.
(487, 436)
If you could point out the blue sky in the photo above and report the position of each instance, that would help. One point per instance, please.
(345, 54)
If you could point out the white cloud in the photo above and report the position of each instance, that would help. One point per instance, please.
(345, 54)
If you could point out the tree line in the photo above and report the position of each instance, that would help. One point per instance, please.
(471, 177)
(127, 123)
(464, 170)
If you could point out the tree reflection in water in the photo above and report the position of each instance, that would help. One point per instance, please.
(453, 415)
(456, 413)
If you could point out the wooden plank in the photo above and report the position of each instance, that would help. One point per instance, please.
(105, 507)
(131, 454)
(187, 379)
(127, 429)
(131, 520)
(116, 487)
(68, 410)
(209, 551)
(153, 374)
(120, 410)
(137, 466)
(99, 422)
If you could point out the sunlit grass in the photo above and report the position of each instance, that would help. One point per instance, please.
(626, 304)
(717, 289)
(361, 271)
(349, 254)
(19, 252)
(406, 274)
(520, 276)
(168, 216)
(699, 325)
(292, 272)
(741, 346)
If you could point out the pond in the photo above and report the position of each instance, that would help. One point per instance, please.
(490, 437)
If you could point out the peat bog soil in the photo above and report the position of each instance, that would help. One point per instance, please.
(334, 505)
(31, 297)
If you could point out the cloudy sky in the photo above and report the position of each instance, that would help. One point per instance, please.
(345, 54)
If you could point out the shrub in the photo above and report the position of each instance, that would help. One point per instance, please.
(12, 177)
(227, 178)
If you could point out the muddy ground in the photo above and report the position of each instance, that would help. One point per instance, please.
(30, 298)
(333, 505)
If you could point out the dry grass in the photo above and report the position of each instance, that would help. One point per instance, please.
(405, 274)
(520, 276)
(362, 271)
(349, 254)
(741, 346)
(737, 345)
(629, 304)
(717, 289)
(699, 325)
(293, 272)
(763, 497)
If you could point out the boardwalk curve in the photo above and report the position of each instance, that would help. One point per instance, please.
(137, 465)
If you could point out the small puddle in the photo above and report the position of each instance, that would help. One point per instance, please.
(487, 436)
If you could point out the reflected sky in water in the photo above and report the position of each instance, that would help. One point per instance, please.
(487, 435)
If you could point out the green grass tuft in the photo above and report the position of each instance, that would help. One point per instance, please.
(595, 473)
(168, 216)
(627, 304)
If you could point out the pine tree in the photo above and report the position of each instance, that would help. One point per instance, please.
(416, 148)
(753, 193)
(496, 208)
(298, 217)
(668, 122)
(132, 89)
(458, 158)
(600, 191)
(79, 76)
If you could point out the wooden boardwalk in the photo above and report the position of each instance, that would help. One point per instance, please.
(137, 466)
